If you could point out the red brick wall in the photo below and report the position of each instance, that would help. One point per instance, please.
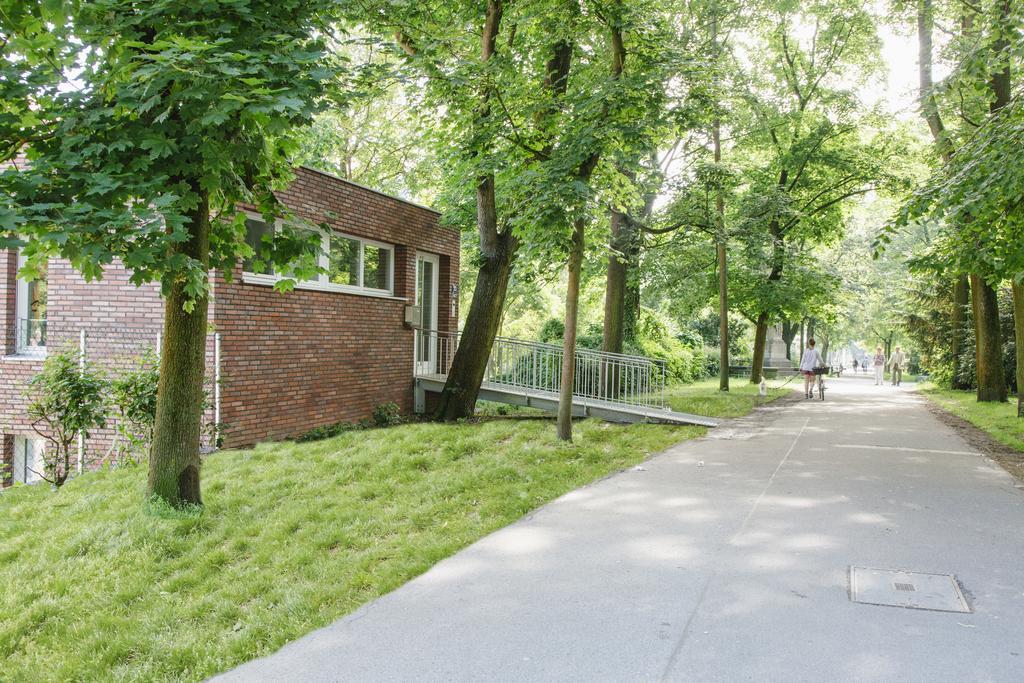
(120, 321)
(306, 358)
(290, 362)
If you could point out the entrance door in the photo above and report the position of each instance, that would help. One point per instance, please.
(426, 299)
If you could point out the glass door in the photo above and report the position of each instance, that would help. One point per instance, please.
(426, 300)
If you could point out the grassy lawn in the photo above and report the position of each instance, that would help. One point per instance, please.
(293, 536)
(95, 587)
(999, 420)
(704, 398)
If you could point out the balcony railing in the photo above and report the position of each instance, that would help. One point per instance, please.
(30, 335)
(534, 366)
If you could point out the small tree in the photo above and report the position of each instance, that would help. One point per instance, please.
(65, 399)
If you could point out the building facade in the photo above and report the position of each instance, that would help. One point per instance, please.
(329, 351)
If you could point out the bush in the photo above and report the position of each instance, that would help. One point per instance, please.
(64, 399)
(712, 361)
(387, 415)
(552, 331)
(325, 431)
(684, 363)
(133, 397)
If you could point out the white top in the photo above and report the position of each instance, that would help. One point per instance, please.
(812, 359)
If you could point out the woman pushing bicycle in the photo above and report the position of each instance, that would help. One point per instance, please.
(811, 359)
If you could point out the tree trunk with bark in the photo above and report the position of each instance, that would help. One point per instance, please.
(943, 144)
(613, 333)
(722, 256)
(723, 317)
(576, 249)
(760, 336)
(497, 249)
(458, 399)
(615, 284)
(988, 345)
(988, 342)
(961, 302)
(572, 300)
(1018, 335)
(174, 463)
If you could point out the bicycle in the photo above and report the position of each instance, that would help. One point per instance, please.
(820, 373)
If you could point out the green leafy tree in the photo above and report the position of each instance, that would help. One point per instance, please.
(976, 191)
(175, 113)
(805, 156)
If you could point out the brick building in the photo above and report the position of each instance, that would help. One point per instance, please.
(329, 351)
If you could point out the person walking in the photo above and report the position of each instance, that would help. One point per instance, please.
(897, 361)
(879, 363)
(856, 365)
(810, 360)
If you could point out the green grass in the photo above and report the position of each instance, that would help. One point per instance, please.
(95, 587)
(704, 398)
(999, 420)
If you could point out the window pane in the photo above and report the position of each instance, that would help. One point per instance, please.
(30, 313)
(254, 231)
(309, 256)
(343, 266)
(376, 267)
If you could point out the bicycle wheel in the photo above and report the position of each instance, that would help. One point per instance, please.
(821, 388)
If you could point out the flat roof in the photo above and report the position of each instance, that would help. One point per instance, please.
(370, 189)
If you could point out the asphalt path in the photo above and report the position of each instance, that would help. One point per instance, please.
(722, 559)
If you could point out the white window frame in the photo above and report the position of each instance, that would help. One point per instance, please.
(28, 473)
(21, 312)
(322, 283)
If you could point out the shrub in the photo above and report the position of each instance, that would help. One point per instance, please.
(387, 415)
(133, 398)
(64, 399)
(325, 431)
(553, 330)
(684, 363)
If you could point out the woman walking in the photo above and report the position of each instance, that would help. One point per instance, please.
(879, 366)
(811, 359)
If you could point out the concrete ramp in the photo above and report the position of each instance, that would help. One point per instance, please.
(582, 407)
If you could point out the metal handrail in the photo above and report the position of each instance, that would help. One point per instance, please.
(601, 376)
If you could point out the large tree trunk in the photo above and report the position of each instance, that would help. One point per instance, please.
(961, 301)
(572, 301)
(721, 250)
(615, 284)
(458, 399)
(613, 333)
(174, 464)
(988, 346)
(1018, 335)
(930, 112)
(497, 249)
(723, 318)
(631, 298)
(760, 336)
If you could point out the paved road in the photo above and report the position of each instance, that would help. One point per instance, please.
(731, 570)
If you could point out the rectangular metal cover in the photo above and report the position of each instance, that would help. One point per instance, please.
(913, 590)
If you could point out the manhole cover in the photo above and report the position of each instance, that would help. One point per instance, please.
(914, 590)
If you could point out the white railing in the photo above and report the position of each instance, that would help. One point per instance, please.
(534, 366)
